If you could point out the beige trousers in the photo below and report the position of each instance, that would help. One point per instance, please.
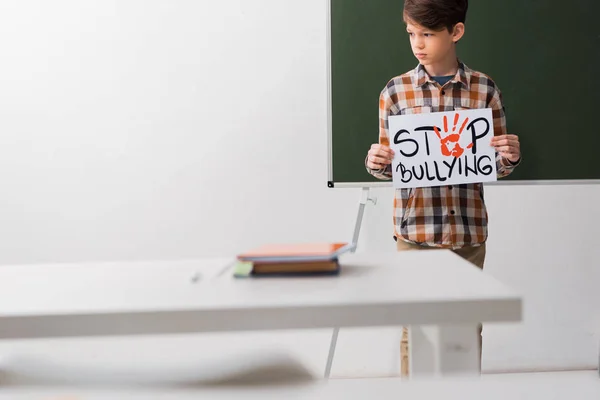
(475, 255)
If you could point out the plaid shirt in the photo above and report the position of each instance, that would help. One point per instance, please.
(441, 216)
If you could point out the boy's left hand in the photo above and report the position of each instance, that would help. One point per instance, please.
(507, 146)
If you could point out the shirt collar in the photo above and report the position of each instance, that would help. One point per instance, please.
(463, 76)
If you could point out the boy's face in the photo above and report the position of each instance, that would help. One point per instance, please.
(433, 47)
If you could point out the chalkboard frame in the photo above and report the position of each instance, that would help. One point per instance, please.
(331, 183)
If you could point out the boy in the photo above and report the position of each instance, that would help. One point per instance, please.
(449, 217)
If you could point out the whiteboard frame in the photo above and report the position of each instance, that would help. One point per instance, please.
(332, 184)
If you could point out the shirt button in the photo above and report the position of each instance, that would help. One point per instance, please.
(452, 212)
(450, 187)
(443, 92)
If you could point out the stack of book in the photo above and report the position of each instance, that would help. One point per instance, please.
(301, 259)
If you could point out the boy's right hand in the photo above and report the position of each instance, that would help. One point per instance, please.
(379, 156)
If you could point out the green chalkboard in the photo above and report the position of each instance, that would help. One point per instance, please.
(543, 54)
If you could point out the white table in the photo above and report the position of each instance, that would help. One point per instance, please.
(548, 386)
(413, 288)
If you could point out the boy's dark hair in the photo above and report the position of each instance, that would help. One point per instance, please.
(436, 14)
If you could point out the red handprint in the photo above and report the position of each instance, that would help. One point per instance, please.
(449, 144)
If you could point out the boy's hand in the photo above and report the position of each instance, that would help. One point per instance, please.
(507, 146)
(379, 156)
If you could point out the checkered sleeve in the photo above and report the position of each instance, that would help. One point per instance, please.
(503, 165)
(385, 103)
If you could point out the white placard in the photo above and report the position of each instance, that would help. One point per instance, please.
(444, 148)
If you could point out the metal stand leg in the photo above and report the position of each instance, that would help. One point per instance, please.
(364, 198)
(334, 337)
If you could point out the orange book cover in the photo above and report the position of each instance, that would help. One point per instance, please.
(296, 252)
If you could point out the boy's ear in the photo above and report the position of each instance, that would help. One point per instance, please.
(458, 32)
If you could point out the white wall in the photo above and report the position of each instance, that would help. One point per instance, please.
(162, 129)
(137, 129)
